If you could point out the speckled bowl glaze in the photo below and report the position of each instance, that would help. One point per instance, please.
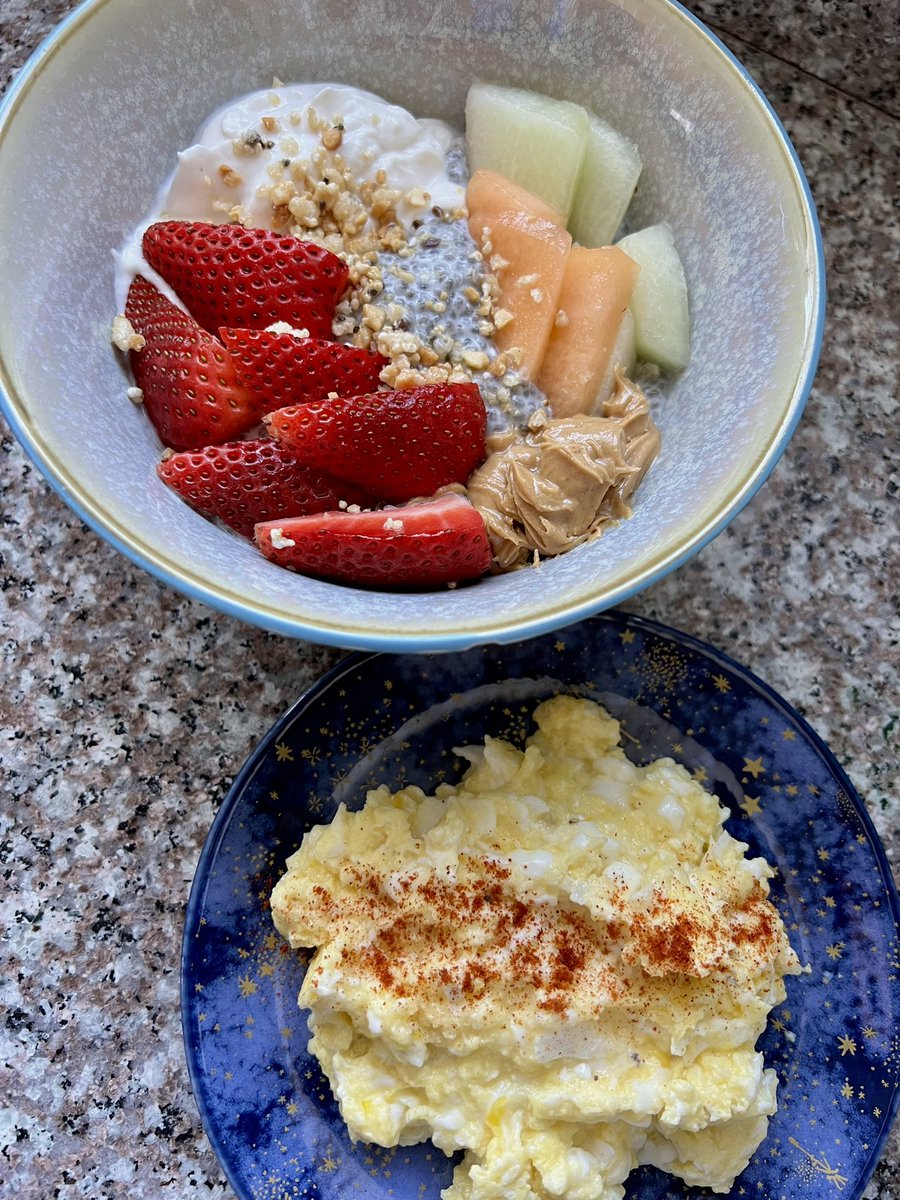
(91, 127)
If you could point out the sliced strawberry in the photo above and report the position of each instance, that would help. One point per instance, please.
(249, 278)
(242, 483)
(419, 545)
(191, 392)
(280, 369)
(396, 445)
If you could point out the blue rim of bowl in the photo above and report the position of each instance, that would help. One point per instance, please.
(349, 664)
(512, 629)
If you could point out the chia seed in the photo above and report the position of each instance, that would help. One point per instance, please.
(438, 311)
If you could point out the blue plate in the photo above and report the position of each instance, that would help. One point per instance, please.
(378, 718)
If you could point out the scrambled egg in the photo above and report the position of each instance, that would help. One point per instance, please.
(560, 965)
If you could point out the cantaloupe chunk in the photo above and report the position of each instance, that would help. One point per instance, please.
(535, 140)
(596, 290)
(529, 236)
(488, 189)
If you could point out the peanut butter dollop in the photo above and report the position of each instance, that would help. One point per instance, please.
(562, 481)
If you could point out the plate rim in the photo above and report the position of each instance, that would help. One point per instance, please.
(220, 824)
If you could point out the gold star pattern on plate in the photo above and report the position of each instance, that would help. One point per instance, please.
(751, 805)
(627, 637)
(283, 752)
(754, 767)
(847, 1046)
(822, 1165)
(246, 986)
(722, 684)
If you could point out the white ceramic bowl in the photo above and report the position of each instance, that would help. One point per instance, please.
(90, 129)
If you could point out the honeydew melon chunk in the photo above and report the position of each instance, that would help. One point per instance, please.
(533, 140)
(597, 287)
(529, 236)
(659, 302)
(609, 175)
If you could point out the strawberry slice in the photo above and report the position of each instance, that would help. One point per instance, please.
(191, 392)
(242, 483)
(280, 369)
(228, 275)
(396, 445)
(418, 545)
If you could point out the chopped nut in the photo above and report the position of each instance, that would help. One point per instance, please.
(476, 359)
(409, 379)
(502, 317)
(333, 137)
(394, 525)
(471, 294)
(373, 316)
(284, 327)
(251, 142)
(276, 537)
(537, 295)
(527, 280)
(230, 176)
(135, 395)
(282, 193)
(561, 319)
(417, 198)
(239, 215)
(124, 336)
(270, 124)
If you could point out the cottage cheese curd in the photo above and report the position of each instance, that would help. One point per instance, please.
(560, 965)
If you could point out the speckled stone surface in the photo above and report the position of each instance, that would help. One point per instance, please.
(127, 709)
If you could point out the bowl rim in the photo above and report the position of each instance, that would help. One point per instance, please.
(509, 628)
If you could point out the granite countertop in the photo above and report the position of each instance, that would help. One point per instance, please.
(127, 709)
